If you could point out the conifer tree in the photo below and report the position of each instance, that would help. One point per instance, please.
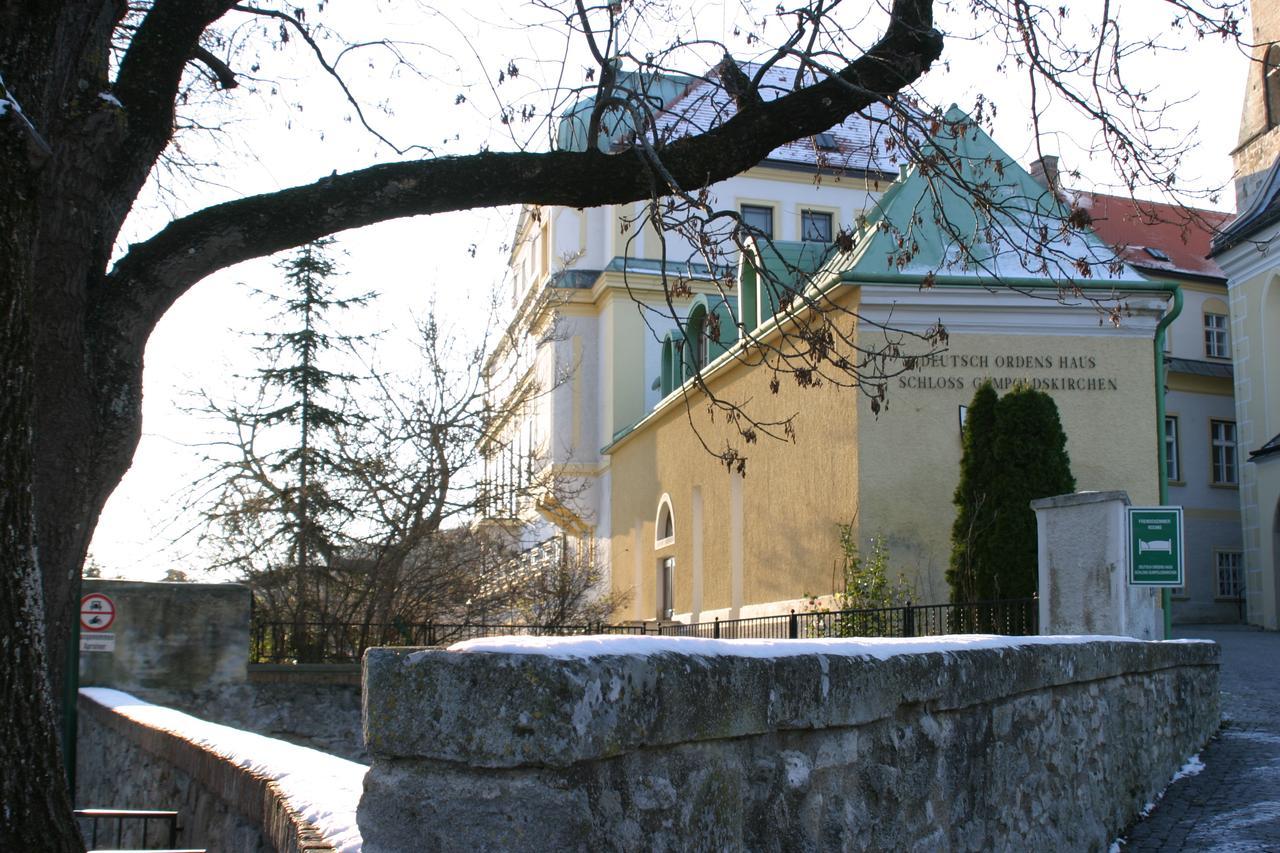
(1015, 451)
(278, 508)
(1030, 451)
(972, 497)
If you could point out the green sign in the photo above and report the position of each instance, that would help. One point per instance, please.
(1155, 546)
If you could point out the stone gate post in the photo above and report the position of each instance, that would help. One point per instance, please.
(1083, 585)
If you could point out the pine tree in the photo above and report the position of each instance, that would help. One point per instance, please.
(1015, 451)
(279, 517)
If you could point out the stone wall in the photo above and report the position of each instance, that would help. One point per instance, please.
(186, 646)
(323, 715)
(123, 764)
(1046, 745)
(170, 636)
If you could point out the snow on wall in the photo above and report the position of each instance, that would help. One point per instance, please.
(323, 789)
(880, 648)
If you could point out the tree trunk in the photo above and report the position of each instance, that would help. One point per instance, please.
(35, 804)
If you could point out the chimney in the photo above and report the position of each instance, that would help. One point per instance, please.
(1045, 172)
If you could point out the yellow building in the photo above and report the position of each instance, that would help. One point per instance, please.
(933, 298)
(1246, 251)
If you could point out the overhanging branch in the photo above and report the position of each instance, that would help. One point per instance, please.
(156, 272)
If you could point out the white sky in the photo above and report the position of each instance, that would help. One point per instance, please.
(273, 145)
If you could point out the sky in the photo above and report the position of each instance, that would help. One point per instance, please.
(289, 124)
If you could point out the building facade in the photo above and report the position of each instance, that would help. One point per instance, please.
(693, 541)
(1248, 253)
(1165, 242)
(594, 293)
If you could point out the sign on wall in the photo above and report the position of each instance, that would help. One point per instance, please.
(1155, 546)
(97, 612)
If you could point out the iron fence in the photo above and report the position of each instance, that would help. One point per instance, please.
(1014, 617)
(335, 642)
(132, 827)
(328, 642)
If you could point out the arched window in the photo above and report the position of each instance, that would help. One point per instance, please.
(1271, 85)
(667, 383)
(664, 533)
(696, 340)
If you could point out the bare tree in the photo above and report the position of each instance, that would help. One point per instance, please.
(399, 540)
(92, 94)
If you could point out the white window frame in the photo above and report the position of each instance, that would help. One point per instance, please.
(1232, 561)
(1224, 467)
(1172, 442)
(1217, 335)
(664, 517)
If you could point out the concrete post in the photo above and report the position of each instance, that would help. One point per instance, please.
(1083, 584)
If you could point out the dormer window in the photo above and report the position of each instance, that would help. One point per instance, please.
(825, 142)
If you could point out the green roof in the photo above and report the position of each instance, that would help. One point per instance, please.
(967, 208)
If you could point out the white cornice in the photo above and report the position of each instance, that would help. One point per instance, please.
(1002, 312)
(1251, 257)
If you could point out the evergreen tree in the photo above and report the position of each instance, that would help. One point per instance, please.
(972, 497)
(279, 517)
(1030, 450)
(1015, 452)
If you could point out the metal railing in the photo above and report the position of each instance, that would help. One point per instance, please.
(331, 642)
(320, 642)
(1019, 616)
(132, 826)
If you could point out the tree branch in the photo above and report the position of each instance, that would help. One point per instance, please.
(226, 77)
(151, 70)
(146, 281)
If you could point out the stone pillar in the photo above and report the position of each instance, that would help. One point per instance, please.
(1084, 586)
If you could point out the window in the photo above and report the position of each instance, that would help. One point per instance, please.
(815, 226)
(825, 142)
(1217, 342)
(758, 218)
(1222, 449)
(1271, 85)
(664, 530)
(1157, 253)
(1172, 456)
(1228, 574)
(666, 584)
(699, 348)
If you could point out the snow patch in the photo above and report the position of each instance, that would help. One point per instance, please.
(882, 648)
(111, 99)
(322, 788)
(1192, 768)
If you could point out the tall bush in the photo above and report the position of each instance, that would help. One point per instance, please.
(1015, 451)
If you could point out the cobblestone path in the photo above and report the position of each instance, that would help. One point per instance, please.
(1233, 805)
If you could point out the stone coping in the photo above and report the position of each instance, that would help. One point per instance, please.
(257, 799)
(1080, 499)
(492, 709)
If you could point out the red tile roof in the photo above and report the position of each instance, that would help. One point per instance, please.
(1133, 226)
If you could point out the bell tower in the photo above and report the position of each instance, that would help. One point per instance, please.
(1259, 143)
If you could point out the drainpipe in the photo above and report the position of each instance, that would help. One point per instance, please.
(1027, 283)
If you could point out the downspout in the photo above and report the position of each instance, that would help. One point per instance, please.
(1026, 283)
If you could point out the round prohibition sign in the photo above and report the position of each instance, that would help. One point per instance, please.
(97, 612)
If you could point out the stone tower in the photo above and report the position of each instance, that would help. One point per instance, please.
(1259, 142)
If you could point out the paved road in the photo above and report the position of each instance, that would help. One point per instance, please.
(1233, 805)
